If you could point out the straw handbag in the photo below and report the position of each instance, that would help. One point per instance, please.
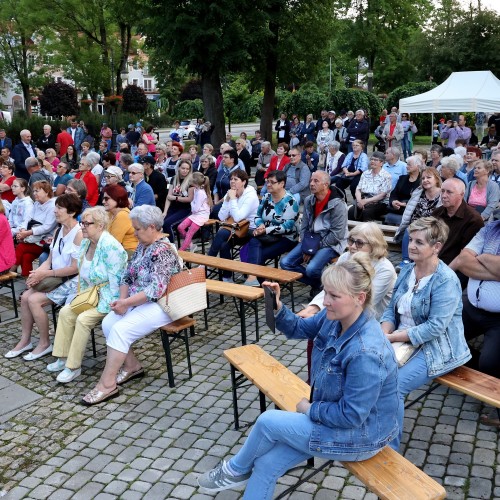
(186, 293)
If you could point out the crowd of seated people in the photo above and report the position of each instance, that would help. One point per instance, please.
(99, 225)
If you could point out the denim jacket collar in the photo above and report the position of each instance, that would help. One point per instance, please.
(341, 340)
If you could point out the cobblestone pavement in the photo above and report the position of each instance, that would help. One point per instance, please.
(153, 441)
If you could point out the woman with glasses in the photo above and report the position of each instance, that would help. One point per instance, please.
(354, 165)
(101, 261)
(276, 229)
(426, 313)
(115, 202)
(368, 238)
(41, 226)
(60, 266)
(62, 178)
(85, 174)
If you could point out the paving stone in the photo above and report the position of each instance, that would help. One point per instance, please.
(479, 488)
(90, 490)
(61, 494)
(116, 487)
(42, 491)
(159, 491)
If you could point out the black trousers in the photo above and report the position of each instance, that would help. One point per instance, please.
(480, 322)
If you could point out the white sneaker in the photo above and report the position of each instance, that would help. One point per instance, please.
(57, 366)
(68, 375)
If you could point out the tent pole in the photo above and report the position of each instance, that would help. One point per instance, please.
(432, 126)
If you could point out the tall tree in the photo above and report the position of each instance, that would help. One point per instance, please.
(207, 37)
(18, 49)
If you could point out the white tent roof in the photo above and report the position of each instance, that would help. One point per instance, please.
(462, 91)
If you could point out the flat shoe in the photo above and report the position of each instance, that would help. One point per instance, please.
(32, 357)
(94, 397)
(489, 420)
(15, 354)
(123, 377)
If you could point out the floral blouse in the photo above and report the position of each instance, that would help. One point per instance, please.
(150, 269)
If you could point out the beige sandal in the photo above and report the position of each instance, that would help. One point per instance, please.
(123, 376)
(94, 397)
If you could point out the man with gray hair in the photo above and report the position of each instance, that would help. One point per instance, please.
(358, 129)
(394, 165)
(47, 140)
(142, 194)
(323, 231)
(35, 171)
(21, 151)
(263, 161)
(393, 132)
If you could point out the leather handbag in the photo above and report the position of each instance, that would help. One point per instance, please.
(404, 351)
(238, 229)
(186, 293)
(48, 284)
(88, 299)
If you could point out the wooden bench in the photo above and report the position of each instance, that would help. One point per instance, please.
(7, 280)
(247, 296)
(285, 278)
(210, 224)
(468, 381)
(177, 330)
(388, 474)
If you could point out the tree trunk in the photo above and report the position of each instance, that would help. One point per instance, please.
(271, 68)
(125, 38)
(214, 105)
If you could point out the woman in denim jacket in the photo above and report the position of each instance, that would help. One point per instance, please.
(354, 406)
(426, 311)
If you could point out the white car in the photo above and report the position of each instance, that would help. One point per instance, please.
(189, 129)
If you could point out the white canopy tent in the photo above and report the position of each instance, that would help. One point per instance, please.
(473, 91)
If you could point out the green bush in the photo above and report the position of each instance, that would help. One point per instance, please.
(134, 100)
(187, 110)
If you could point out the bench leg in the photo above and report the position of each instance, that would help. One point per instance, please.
(168, 357)
(292, 296)
(205, 317)
(94, 352)
(262, 402)
(235, 398)
(14, 301)
(243, 323)
(426, 393)
(257, 335)
(186, 343)
(304, 479)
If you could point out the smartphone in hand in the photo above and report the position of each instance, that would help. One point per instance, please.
(271, 306)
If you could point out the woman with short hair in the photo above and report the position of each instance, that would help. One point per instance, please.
(482, 193)
(6, 180)
(101, 262)
(42, 288)
(84, 173)
(63, 177)
(136, 313)
(426, 312)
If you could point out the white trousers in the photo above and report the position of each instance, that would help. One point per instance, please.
(122, 331)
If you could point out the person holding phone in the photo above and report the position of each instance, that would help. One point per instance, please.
(456, 129)
(354, 403)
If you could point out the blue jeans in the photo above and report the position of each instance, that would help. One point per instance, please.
(311, 273)
(259, 253)
(278, 441)
(174, 217)
(404, 246)
(392, 219)
(406, 146)
(410, 377)
(222, 245)
(43, 258)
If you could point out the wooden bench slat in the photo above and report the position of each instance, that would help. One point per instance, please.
(388, 474)
(237, 266)
(8, 276)
(235, 290)
(393, 477)
(473, 383)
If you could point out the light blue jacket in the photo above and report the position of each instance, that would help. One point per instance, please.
(437, 311)
(354, 378)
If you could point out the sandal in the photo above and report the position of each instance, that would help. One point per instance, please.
(492, 419)
(123, 376)
(94, 397)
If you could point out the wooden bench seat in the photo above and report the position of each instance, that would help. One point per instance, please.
(388, 474)
(173, 331)
(247, 296)
(7, 280)
(285, 278)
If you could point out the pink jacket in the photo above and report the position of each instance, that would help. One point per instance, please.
(7, 253)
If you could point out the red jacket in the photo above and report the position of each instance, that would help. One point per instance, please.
(92, 188)
(273, 164)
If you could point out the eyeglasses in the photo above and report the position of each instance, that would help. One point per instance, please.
(357, 243)
(133, 173)
(86, 224)
(271, 182)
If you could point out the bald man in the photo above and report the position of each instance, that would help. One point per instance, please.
(464, 222)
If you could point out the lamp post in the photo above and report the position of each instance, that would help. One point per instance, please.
(369, 75)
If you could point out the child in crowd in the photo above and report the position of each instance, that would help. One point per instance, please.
(200, 210)
(22, 207)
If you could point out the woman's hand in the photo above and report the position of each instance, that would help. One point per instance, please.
(303, 406)
(259, 230)
(387, 327)
(24, 233)
(360, 203)
(398, 336)
(119, 306)
(276, 289)
(231, 195)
